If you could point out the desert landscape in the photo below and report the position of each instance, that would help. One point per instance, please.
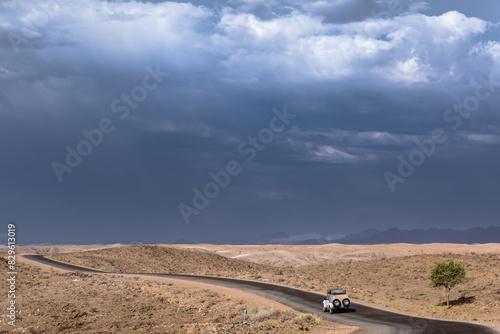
(53, 301)
(392, 277)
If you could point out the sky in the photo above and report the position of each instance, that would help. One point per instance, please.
(158, 121)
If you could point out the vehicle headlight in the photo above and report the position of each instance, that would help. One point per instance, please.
(346, 302)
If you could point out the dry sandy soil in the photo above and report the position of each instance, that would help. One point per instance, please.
(389, 276)
(51, 301)
(297, 256)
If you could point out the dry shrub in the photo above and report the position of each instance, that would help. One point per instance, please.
(307, 319)
(263, 313)
(260, 314)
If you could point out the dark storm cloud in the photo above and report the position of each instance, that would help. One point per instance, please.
(363, 92)
(341, 11)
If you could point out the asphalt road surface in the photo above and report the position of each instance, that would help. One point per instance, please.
(370, 319)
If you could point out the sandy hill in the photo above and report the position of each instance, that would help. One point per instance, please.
(156, 259)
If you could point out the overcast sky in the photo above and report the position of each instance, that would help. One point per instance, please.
(331, 116)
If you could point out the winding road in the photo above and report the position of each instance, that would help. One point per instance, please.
(370, 319)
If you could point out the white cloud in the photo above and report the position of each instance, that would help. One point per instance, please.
(332, 155)
(311, 58)
(477, 138)
(494, 50)
(450, 27)
(296, 46)
(404, 49)
(408, 71)
(248, 30)
(356, 138)
(490, 49)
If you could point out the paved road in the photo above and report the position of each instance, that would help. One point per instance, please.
(372, 320)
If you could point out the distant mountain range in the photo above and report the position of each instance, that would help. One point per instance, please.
(263, 240)
(395, 235)
(477, 235)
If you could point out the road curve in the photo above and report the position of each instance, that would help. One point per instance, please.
(372, 320)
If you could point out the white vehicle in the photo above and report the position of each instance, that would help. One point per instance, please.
(336, 299)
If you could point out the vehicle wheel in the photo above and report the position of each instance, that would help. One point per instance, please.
(331, 310)
(325, 309)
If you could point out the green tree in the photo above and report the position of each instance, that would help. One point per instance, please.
(447, 274)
